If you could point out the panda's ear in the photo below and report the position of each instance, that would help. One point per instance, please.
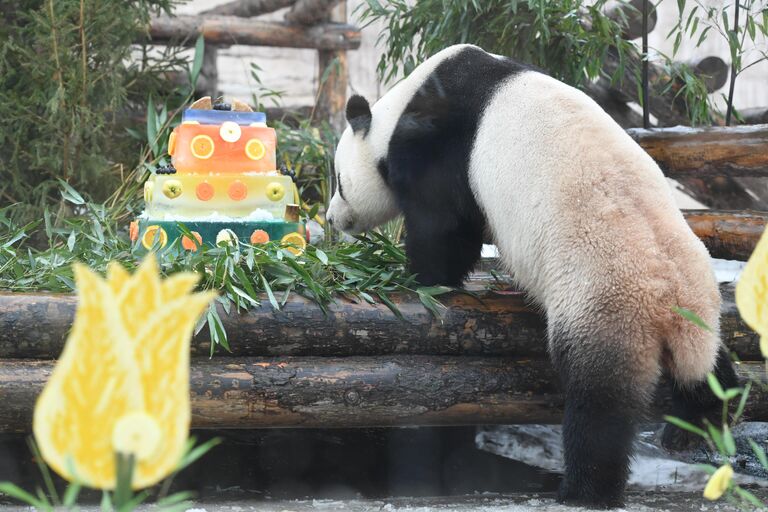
(359, 114)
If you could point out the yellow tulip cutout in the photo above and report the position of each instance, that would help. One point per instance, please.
(752, 292)
(718, 483)
(122, 382)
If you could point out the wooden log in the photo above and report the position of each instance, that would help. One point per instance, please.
(493, 324)
(707, 152)
(630, 15)
(229, 30)
(352, 392)
(756, 115)
(729, 235)
(248, 8)
(209, 72)
(333, 76)
(309, 12)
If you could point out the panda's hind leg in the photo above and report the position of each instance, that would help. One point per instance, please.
(696, 402)
(605, 397)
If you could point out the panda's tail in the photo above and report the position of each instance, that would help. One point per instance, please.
(691, 356)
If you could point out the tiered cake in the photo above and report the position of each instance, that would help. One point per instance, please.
(222, 183)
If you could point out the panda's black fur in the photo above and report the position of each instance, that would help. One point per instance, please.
(430, 150)
(426, 166)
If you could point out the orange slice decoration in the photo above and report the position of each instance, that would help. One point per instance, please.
(172, 143)
(189, 244)
(204, 191)
(259, 236)
(255, 149)
(149, 237)
(201, 146)
(237, 191)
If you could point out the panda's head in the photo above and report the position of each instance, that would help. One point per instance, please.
(362, 199)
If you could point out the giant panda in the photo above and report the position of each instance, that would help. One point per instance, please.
(472, 143)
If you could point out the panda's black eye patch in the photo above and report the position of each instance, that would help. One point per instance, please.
(339, 187)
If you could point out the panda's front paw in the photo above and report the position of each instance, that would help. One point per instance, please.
(577, 497)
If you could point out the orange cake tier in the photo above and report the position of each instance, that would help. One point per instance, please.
(184, 196)
(227, 148)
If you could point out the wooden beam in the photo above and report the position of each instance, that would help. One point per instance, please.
(229, 30)
(707, 152)
(497, 324)
(309, 12)
(332, 79)
(352, 392)
(248, 8)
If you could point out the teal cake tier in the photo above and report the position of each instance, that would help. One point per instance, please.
(150, 231)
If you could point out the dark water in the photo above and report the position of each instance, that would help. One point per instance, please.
(332, 464)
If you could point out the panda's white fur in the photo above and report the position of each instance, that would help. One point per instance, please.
(582, 217)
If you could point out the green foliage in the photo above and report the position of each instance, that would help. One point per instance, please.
(68, 72)
(369, 269)
(553, 35)
(750, 19)
(122, 499)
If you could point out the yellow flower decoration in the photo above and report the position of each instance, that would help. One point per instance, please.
(752, 292)
(122, 382)
(718, 483)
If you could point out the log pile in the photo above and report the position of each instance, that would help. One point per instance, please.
(484, 361)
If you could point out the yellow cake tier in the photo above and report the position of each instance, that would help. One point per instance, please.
(186, 196)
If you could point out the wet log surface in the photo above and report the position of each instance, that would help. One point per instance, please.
(706, 152)
(493, 324)
(231, 30)
(352, 391)
(727, 235)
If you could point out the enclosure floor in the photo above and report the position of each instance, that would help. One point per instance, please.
(640, 502)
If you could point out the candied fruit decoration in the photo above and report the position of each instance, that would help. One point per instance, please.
(226, 237)
(201, 147)
(275, 191)
(133, 230)
(204, 191)
(148, 239)
(255, 149)
(259, 236)
(189, 244)
(172, 143)
(237, 191)
(148, 188)
(294, 243)
(230, 132)
(172, 189)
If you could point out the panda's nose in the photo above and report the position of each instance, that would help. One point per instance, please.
(330, 220)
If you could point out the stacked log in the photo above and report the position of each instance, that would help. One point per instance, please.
(483, 362)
